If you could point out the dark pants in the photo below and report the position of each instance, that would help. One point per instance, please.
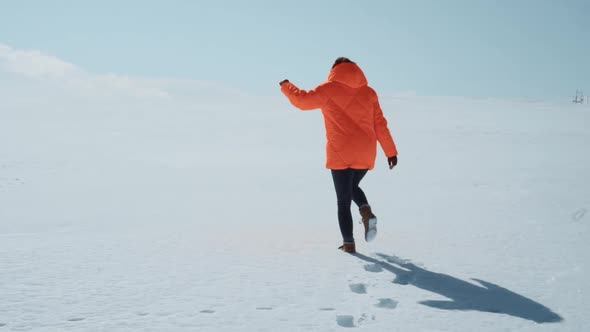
(346, 183)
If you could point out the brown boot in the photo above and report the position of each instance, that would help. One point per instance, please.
(348, 248)
(369, 220)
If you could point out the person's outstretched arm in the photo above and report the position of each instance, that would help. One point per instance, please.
(304, 100)
(383, 134)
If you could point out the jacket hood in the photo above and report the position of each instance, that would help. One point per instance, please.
(349, 74)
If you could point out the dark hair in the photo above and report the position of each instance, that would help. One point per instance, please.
(341, 60)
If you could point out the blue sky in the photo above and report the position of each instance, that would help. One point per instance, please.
(504, 49)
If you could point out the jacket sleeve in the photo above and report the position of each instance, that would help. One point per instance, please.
(304, 100)
(382, 132)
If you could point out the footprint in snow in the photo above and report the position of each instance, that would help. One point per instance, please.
(327, 309)
(404, 278)
(579, 215)
(348, 320)
(76, 319)
(345, 320)
(2, 324)
(263, 308)
(387, 304)
(373, 268)
(358, 288)
(207, 311)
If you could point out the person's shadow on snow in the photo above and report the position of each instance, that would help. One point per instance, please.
(463, 295)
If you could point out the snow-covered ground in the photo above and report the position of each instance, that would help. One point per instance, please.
(177, 206)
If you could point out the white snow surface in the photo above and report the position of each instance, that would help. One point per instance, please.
(210, 210)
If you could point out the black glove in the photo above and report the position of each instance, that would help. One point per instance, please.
(392, 161)
(283, 81)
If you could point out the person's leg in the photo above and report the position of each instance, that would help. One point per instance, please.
(343, 181)
(368, 218)
(358, 196)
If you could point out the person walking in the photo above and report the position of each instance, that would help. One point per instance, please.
(354, 124)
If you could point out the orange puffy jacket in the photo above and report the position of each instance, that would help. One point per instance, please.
(352, 115)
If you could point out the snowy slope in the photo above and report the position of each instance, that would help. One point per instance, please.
(211, 211)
